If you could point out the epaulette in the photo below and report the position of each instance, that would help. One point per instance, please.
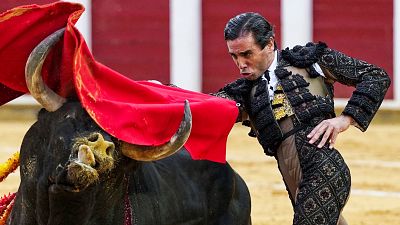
(304, 56)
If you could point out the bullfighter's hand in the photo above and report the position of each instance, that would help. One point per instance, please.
(330, 129)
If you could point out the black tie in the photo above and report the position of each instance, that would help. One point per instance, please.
(266, 75)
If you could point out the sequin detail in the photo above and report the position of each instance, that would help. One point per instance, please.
(280, 104)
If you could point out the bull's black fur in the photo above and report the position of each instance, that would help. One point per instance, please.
(172, 191)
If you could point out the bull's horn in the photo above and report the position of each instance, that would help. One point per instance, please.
(33, 69)
(151, 153)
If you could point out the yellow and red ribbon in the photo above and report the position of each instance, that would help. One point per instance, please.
(6, 204)
(9, 166)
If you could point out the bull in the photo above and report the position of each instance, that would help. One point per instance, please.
(73, 172)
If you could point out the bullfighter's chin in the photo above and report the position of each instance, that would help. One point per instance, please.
(81, 175)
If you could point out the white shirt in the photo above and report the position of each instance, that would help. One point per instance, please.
(274, 80)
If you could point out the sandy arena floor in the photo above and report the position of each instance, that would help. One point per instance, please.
(373, 158)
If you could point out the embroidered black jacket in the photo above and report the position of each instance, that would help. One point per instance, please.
(370, 82)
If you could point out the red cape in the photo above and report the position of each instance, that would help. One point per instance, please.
(137, 112)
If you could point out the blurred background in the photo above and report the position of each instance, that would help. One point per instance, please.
(181, 42)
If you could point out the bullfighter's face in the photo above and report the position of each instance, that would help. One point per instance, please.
(251, 60)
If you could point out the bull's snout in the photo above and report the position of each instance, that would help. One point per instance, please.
(95, 145)
(94, 157)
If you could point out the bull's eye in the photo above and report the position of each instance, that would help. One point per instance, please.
(93, 137)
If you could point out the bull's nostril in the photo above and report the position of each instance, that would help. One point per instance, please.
(93, 137)
(110, 150)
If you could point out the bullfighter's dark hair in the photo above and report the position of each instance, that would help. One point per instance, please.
(250, 22)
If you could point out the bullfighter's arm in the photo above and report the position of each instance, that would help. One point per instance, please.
(371, 83)
(236, 91)
(242, 116)
(222, 94)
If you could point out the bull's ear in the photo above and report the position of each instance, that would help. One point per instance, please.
(152, 153)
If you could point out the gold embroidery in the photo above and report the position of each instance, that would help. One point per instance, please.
(280, 103)
(13, 13)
